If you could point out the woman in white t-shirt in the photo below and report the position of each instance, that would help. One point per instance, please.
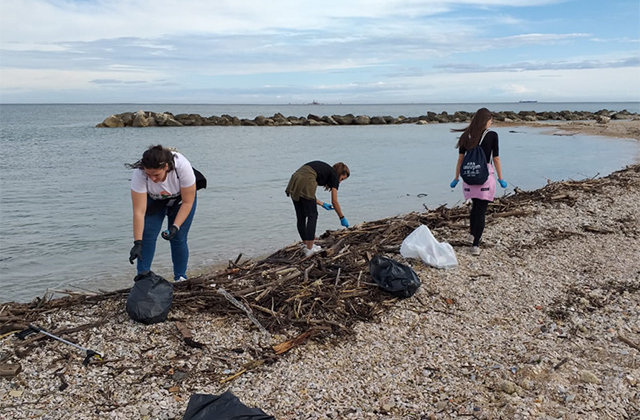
(163, 184)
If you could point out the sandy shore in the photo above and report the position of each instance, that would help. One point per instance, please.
(544, 324)
(629, 129)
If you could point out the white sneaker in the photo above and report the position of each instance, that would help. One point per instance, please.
(475, 251)
(181, 279)
(308, 252)
(316, 248)
(470, 238)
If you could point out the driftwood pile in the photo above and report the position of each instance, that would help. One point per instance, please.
(325, 294)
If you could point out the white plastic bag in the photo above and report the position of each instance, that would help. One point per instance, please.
(422, 244)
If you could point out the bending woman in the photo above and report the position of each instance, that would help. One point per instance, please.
(480, 195)
(302, 190)
(163, 185)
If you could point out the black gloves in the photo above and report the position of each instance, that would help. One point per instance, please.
(170, 233)
(136, 251)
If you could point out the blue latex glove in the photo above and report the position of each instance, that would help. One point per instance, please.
(503, 183)
(454, 183)
(170, 233)
(344, 222)
(327, 206)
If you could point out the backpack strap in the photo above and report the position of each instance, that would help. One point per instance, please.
(482, 138)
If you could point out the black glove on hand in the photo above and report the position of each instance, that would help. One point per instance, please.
(170, 233)
(136, 251)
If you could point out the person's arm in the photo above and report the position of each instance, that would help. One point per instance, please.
(188, 197)
(460, 158)
(139, 202)
(334, 202)
(498, 166)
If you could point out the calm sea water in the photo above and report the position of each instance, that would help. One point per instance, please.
(65, 206)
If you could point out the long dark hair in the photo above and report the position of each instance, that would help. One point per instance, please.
(341, 169)
(473, 132)
(153, 158)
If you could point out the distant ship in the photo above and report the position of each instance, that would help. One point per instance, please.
(315, 103)
(528, 102)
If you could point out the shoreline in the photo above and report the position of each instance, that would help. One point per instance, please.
(534, 327)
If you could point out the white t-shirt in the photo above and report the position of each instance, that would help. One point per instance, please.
(182, 176)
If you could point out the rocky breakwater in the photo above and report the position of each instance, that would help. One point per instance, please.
(166, 119)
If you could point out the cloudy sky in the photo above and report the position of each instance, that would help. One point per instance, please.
(332, 51)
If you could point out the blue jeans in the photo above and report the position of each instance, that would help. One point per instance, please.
(179, 247)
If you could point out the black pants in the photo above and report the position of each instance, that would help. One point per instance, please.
(307, 215)
(478, 213)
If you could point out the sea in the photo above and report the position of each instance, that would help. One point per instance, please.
(65, 204)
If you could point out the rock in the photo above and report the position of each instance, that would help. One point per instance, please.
(362, 120)
(508, 387)
(113, 121)
(601, 119)
(348, 119)
(377, 120)
(329, 120)
(140, 120)
(386, 408)
(588, 377)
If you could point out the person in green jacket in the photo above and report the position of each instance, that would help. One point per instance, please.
(302, 190)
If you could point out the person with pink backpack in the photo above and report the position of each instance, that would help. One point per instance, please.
(481, 143)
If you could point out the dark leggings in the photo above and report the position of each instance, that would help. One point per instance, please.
(478, 213)
(307, 215)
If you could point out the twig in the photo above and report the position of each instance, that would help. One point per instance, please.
(306, 272)
(562, 362)
(629, 342)
(239, 305)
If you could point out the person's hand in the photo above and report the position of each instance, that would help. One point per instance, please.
(503, 183)
(136, 251)
(327, 206)
(170, 233)
(454, 183)
(344, 222)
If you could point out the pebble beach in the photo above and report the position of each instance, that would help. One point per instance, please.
(544, 324)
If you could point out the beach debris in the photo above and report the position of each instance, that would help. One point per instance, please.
(8, 370)
(185, 332)
(327, 357)
(89, 354)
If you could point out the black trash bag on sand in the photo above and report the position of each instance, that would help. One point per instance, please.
(150, 298)
(398, 279)
(221, 407)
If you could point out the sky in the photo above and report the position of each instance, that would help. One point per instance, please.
(330, 51)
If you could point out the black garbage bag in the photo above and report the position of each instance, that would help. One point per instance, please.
(221, 407)
(150, 298)
(398, 279)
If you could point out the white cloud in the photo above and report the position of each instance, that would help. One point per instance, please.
(372, 49)
(35, 21)
(57, 80)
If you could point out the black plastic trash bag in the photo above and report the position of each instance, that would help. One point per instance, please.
(398, 279)
(221, 407)
(150, 298)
